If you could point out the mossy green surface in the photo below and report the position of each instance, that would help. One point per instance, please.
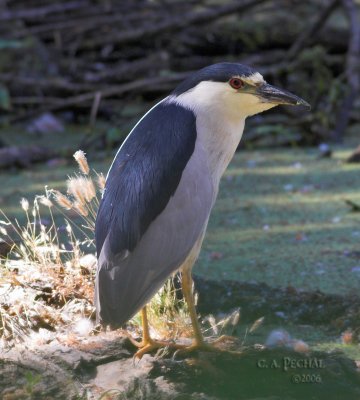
(280, 217)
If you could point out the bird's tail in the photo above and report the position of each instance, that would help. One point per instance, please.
(120, 292)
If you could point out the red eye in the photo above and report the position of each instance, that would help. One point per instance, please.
(236, 83)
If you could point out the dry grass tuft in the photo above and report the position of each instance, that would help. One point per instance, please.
(168, 312)
(46, 280)
(43, 284)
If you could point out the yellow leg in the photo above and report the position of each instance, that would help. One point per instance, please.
(199, 341)
(148, 344)
(145, 325)
(187, 288)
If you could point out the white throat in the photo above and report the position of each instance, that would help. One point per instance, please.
(219, 123)
(220, 138)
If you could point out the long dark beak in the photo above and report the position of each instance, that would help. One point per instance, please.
(271, 94)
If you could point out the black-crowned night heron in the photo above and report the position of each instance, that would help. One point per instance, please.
(162, 185)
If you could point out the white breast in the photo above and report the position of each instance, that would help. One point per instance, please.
(219, 122)
(220, 139)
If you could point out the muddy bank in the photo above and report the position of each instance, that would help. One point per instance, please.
(88, 367)
(105, 364)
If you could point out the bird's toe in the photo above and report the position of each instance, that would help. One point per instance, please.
(151, 345)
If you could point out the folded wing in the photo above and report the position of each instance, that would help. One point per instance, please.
(156, 204)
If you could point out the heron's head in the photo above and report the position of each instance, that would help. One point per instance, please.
(233, 89)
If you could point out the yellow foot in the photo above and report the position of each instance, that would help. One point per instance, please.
(225, 338)
(149, 345)
(209, 347)
(197, 346)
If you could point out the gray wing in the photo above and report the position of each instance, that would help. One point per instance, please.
(127, 281)
(144, 175)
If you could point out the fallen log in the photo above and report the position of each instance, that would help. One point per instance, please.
(172, 24)
(39, 12)
(139, 85)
